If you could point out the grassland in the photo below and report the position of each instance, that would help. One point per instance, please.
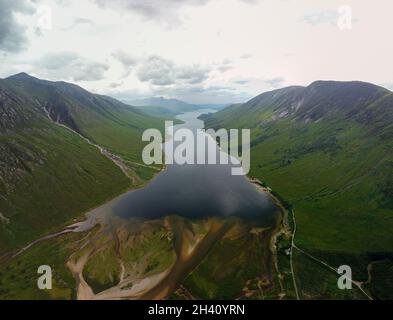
(336, 173)
(337, 195)
(64, 178)
(381, 279)
(120, 133)
(18, 277)
(49, 175)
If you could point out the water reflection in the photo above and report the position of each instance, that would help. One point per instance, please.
(195, 191)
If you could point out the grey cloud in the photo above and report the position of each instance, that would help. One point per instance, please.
(322, 17)
(150, 8)
(224, 68)
(158, 10)
(12, 33)
(193, 75)
(71, 66)
(225, 65)
(82, 21)
(114, 85)
(125, 58)
(157, 71)
(275, 82)
(64, 2)
(127, 61)
(246, 56)
(241, 82)
(162, 72)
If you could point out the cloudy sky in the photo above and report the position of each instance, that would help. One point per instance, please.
(201, 51)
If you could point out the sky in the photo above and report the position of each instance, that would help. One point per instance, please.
(200, 51)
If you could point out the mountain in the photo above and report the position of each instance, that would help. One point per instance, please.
(161, 112)
(215, 106)
(64, 150)
(326, 150)
(106, 121)
(170, 107)
(321, 100)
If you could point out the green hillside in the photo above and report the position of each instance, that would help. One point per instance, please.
(327, 150)
(106, 121)
(50, 175)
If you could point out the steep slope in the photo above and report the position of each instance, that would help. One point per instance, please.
(327, 150)
(104, 120)
(49, 174)
(321, 100)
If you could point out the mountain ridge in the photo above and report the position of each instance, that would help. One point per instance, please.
(160, 106)
(354, 99)
(327, 150)
(63, 147)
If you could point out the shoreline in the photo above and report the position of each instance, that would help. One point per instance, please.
(259, 185)
(86, 220)
(72, 224)
(275, 231)
(282, 226)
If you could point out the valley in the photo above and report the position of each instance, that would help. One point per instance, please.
(164, 152)
(266, 237)
(129, 249)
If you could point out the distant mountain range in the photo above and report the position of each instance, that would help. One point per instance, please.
(162, 102)
(162, 106)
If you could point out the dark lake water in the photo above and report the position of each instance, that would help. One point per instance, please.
(196, 191)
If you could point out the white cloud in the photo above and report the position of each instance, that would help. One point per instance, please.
(127, 60)
(222, 50)
(71, 67)
(162, 72)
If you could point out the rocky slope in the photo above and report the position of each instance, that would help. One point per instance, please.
(51, 167)
(326, 149)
